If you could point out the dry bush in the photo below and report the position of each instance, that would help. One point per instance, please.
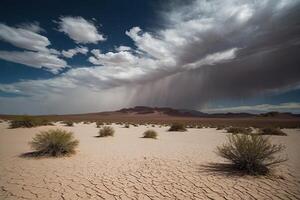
(106, 131)
(237, 130)
(68, 123)
(150, 134)
(177, 127)
(127, 126)
(271, 131)
(28, 122)
(54, 142)
(99, 124)
(252, 154)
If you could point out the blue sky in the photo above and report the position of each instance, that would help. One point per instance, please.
(87, 56)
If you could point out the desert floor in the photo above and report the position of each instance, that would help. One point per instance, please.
(177, 165)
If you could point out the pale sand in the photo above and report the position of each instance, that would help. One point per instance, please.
(127, 166)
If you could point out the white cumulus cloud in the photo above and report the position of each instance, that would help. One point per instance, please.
(23, 38)
(80, 30)
(72, 52)
(35, 59)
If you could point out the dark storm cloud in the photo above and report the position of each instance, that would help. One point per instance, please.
(267, 61)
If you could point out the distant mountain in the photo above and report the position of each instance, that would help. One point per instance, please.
(166, 112)
(144, 110)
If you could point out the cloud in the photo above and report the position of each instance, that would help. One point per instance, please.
(80, 30)
(72, 52)
(24, 37)
(207, 51)
(34, 27)
(123, 48)
(262, 108)
(34, 59)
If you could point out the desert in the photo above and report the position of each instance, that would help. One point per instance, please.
(175, 165)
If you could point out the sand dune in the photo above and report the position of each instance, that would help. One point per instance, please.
(126, 166)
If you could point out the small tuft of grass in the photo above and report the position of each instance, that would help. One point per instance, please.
(177, 127)
(106, 131)
(150, 134)
(237, 130)
(28, 122)
(271, 131)
(54, 142)
(252, 154)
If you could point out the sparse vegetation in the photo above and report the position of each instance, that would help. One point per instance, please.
(237, 130)
(28, 122)
(68, 123)
(127, 126)
(99, 124)
(54, 142)
(221, 127)
(106, 131)
(177, 127)
(150, 134)
(271, 131)
(252, 154)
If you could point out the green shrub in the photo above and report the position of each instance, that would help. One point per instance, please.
(28, 122)
(54, 142)
(106, 131)
(150, 134)
(236, 130)
(252, 154)
(271, 131)
(177, 127)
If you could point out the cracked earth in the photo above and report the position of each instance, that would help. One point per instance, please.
(175, 166)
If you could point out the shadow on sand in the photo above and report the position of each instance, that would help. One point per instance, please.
(222, 169)
(33, 154)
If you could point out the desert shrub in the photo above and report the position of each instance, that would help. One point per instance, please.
(150, 134)
(106, 131)
(177, 127)
(86, 122)
(54, 142)
(99, 124)
(68, 123)
(28, 122)
(252, 154)
(271, 131)
(127, 126)
(236, 130)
